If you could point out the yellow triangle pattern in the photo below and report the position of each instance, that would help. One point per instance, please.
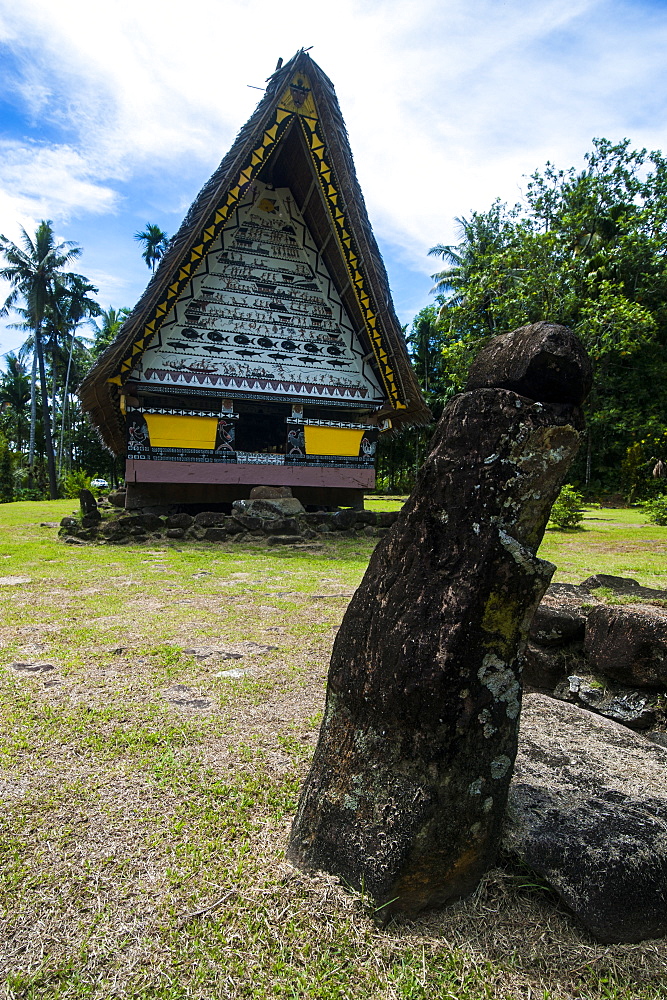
(317, 147)
(186, 270)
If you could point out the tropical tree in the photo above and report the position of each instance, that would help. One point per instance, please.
(484, 234)
(155, 242)
(33, 271)
(426, 341)
(71, 305)
(107, 329)
(588, 249)
(15, 400)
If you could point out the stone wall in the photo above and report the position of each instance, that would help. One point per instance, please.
(245, 523)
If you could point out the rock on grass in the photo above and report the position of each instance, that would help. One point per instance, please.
(587, 811)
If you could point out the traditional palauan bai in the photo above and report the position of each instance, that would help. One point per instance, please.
(265, 349)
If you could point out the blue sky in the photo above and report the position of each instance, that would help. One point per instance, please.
(113, 114)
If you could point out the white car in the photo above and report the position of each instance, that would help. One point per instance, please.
(99, 484)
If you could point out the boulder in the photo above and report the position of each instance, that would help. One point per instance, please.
(270, 492)
(407, 790)
(623, 586)
(315, 517)
(196, 532)
(127, 521)
(253, 523)
(543, 361)
(557, 622)
(545, 667)
(385, 518)
(283, 526)
(231, 525)
(179, 521)
(117, 498)
(343, 519)
(91, 520)
(112, 529)
(632, 708)
(561, 616)
(269, 508)
(587, 811)
(366, 517)
(628, 644)
(151, 522)
(210, 519)
(216, 534)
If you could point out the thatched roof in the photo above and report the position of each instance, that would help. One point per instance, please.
(296, 138)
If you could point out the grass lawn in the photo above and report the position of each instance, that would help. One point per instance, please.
(160, 705)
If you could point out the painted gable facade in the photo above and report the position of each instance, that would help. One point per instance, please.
(261, 352)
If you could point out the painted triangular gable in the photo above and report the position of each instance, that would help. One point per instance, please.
(262, 310)
(296, 107)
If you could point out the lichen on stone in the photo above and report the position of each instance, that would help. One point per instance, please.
(501, 680)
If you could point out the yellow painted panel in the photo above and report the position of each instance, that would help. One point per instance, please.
(170, 431)
(332, 441)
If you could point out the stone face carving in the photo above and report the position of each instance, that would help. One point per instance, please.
(544, 361)
(409, 781)
(88, 505)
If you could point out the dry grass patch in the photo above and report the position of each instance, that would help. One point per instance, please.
(149, 777)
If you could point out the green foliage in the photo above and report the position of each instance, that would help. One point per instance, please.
(633, 471)
(106, 331)
(567, 511)
(432, 367)
(15, 401)
(586, 249)
(6, 473)
(37, 271)
(74, 482)
(399, 457)
(656, 510)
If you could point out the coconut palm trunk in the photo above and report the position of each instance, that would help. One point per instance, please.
(48, 439)
(33, 419)
(61, 442)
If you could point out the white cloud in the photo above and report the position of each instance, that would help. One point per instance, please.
(447, 102)
(49, 182)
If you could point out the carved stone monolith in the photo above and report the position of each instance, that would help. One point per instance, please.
(409, 781)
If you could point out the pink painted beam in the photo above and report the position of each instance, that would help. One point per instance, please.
(256, 475)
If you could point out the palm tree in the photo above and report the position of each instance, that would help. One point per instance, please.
(107, 330)
(15, 398)
(73, 305)
(155, 242)
(484, 234)
(33, 270)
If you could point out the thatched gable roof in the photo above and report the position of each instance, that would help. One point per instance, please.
(296, 138)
